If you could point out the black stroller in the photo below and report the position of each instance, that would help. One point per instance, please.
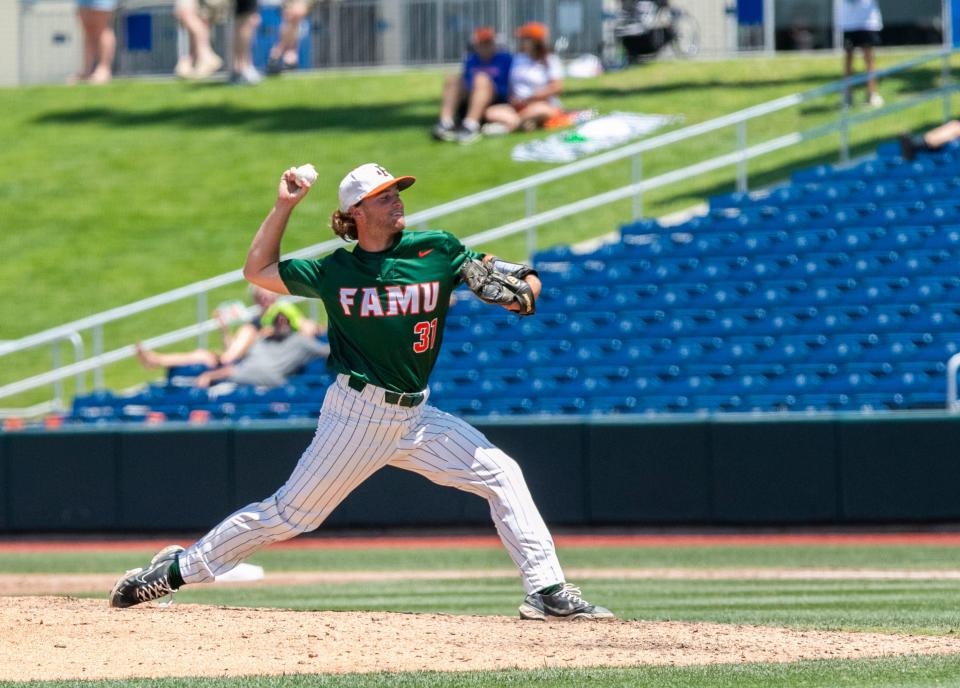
(645, 27)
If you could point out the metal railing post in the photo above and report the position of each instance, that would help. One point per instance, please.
(845, 128)
(80, 381)
(742, 163)
(57, 384)
(202, 317)
(530, 208)
(97, 350)
(636, 175)
(945, 80)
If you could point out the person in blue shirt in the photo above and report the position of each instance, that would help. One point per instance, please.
(484, 82)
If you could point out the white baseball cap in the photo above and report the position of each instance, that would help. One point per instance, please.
(366, 181)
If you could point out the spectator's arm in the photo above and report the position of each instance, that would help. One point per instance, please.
(308, 328)
(553, 88)
(240, 343)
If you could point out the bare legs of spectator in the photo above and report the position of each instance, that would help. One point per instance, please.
(156, 359)
(244, 29)
(529, 118)
(202, 61)
(945, 133)
(99, 45)
(478, 100)
(873, 98)
(847, 73)
(873, 95)
(285, 52)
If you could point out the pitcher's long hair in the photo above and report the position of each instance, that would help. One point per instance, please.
(343, 225)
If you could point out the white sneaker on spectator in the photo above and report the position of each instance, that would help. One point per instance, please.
(248, 76)
(466, 136)
(494, 129)
(444, 132)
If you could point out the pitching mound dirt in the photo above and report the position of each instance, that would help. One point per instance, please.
(65, 638)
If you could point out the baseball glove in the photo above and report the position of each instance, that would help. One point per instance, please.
(494, 287)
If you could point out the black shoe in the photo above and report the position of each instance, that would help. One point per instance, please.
(274, 66)
(149, 583)
(566, 603)
(441, 132)
(909, 145)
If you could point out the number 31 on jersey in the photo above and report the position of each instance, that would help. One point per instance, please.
(427, 331)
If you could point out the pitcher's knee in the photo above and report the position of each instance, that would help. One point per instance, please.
(293, 520)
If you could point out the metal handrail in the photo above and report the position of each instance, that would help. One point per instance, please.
(531, 222)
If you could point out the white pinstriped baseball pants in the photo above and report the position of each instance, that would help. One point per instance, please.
(358, 434)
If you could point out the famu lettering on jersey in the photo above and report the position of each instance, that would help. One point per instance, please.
(385, 310)
(404, 300)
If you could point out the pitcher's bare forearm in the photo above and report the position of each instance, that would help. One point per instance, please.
(264, 254)
(263, 257)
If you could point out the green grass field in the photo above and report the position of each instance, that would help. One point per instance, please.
(113, 194)
(901, 672)
(887, 606)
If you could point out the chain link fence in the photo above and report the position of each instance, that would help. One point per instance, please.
(336, 33)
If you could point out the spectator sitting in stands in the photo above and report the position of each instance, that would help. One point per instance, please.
(933, 140)
(484, 82)
(536, 79)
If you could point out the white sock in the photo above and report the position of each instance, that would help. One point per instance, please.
(471, 124)
(446, 122)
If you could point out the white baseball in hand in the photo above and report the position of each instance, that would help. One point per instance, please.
(305, 173)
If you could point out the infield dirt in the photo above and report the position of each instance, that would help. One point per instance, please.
(67, 638)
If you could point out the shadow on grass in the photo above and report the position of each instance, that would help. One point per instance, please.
(285, 118)
(905, 82)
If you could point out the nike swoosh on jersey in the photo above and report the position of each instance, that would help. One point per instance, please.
(423, 253)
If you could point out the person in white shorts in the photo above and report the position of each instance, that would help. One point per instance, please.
(536, 79)
(862, 23)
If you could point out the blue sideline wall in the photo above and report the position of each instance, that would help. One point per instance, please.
(772, 470)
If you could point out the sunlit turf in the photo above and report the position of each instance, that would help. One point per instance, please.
(897, 672)
(387, 559)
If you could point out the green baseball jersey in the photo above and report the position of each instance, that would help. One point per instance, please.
(385, 310)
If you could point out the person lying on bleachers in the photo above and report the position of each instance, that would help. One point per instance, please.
(235, 345)
(243, 357)
(288, 342)
(933, 140)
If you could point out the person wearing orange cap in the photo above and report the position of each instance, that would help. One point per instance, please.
(484, 82)
(536, 79)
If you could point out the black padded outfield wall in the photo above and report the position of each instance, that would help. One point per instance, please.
(769, 470)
